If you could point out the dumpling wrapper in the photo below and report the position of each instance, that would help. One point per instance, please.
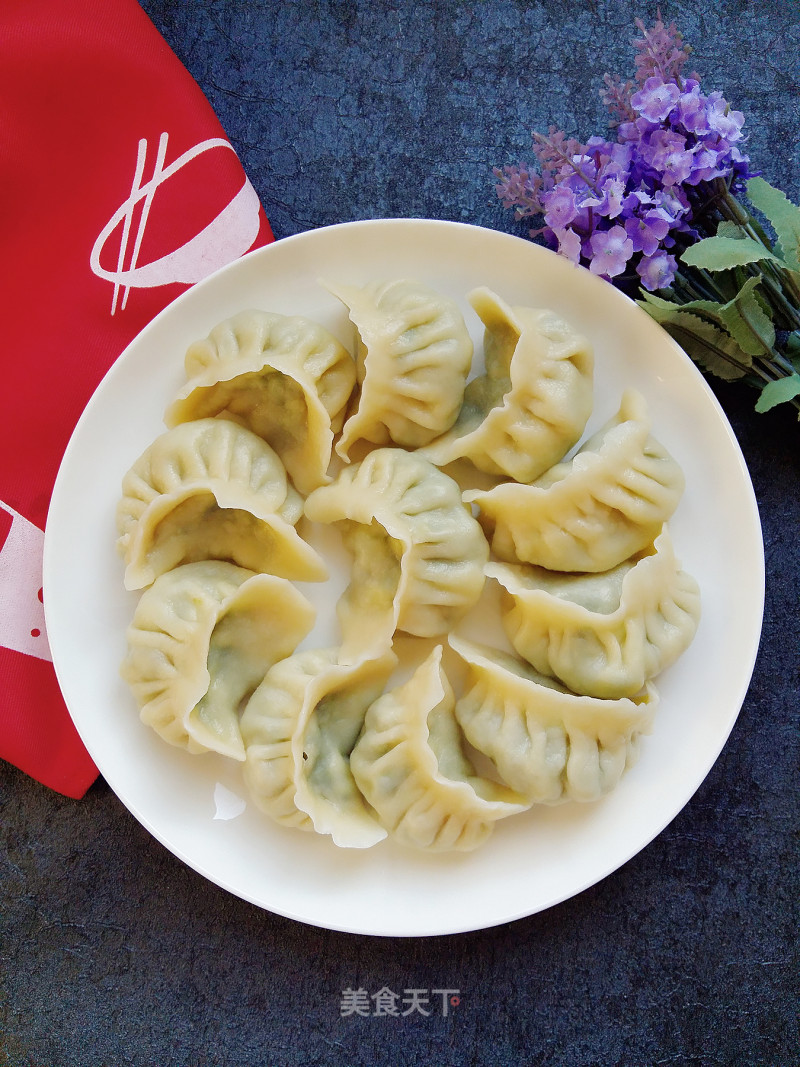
(602, 634)
(411, 766)
(533, 401)
(299, 728)
(591, 513)
(548, 744)
(286, 378)
(413, 355)
(202, 638)
(418, 554)
(210, 489)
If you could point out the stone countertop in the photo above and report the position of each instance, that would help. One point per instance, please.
(113, 952)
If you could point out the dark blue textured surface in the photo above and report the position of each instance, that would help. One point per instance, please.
(113, 953)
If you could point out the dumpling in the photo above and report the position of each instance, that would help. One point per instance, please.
(286, 378)
(534, 400)
(413, 353)
(299, 728)
(210, 489)
(411, 766)
(417, 552)
(548, 744)
(202, 638)
(602, 634)
(609, 502)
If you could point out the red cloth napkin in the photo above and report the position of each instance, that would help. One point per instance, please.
(120, 190)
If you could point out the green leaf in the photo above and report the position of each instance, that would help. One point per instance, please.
(729, 228)
(662, 310)
(793, 277)
(655, 302)
(778, 392)
(722, 253)
(706, 309)
(782, 213)
(708, 345)
(722, 338)
(793, 349)
(745, 317)
(746, 321)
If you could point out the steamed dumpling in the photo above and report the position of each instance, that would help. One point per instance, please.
(547, 743)
(533, 402)
(602, 634)
(609, 502)
(417, 552)
(286, 378)
(210, 489)
(413, 354)
(411, 766)
(202, 638)
(299, 728)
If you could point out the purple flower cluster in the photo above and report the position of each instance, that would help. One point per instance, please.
(621, 206)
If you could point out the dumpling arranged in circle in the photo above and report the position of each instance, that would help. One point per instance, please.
(591, 513)
(413, 353)
(533, 401)
(547, 743)
(602, 634)
(410, 763)
(299, 728)
(417, 552)
(286, 378)
(202, 638)
(210, 489)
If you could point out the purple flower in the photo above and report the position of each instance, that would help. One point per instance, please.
(666, 153)
(609, 201)
(518, 188)
(560, 207)
(584, 221)
(672, 201)
(621, 155)
(611, 250)
(628, 131)
(660, 50)
(569, 244)
(625, 204)
(613, 193)
(608, 157)
(691, 109)
(722, 120)
(706, 164)
(656, 99)
(657, 271)
(648, 231)
(636, 199)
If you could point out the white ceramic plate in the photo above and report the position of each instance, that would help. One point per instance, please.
(197, 806)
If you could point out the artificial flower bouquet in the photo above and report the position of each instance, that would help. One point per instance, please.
(670, 211)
